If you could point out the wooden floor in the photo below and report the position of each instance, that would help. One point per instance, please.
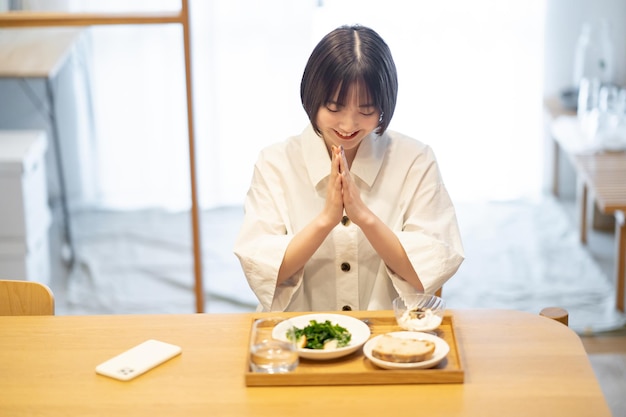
(609, 342)
(607, 351)
(607, 354)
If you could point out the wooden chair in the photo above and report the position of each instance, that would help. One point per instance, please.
(25, 298)
(556, 313)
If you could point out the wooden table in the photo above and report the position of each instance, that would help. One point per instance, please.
(601, 175)
(604, 176)
(516, 364)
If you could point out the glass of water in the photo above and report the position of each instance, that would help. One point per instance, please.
(273, 346)
(588, 110)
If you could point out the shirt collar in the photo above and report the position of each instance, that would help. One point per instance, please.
(366, 165)
(369, 158)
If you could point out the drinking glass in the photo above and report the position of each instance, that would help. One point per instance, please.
(621, 105)
(273, 353)
(608, 105)
(588, 111)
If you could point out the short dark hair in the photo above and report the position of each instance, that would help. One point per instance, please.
(347, 55)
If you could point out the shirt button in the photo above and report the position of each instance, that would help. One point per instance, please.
(345, 220)
(346, 308)
(345, 267)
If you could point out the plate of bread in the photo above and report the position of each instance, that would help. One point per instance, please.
(335, 335)
(406, 350)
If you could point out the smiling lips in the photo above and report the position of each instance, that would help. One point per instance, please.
(347, 136)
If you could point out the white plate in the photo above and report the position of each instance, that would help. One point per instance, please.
(441, 350)
(360, 333)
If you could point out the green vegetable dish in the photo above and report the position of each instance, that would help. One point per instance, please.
(322, 336)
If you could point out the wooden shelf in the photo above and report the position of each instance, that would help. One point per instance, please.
(23, 19)
(38, 19)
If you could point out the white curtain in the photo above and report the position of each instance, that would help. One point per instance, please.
(470, 86)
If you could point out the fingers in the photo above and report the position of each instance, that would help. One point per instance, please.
(339, 155)
(343, 164)
(334, 202)
(336, 152)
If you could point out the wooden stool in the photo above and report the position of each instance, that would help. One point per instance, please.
(556, 313)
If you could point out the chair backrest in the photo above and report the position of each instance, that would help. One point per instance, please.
(25, 298)
(556, 313)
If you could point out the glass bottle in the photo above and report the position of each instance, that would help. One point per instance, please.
(594, 56)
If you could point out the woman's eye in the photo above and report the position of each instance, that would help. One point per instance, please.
(332, 107)
(368, 112)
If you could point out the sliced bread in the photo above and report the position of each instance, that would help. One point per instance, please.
(401, 350)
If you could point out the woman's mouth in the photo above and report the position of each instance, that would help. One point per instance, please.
(346, 136)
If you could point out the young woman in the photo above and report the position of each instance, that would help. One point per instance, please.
(347, 215)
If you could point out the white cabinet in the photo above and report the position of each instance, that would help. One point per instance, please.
(24, 211)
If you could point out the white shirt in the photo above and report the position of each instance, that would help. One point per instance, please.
(399, 181)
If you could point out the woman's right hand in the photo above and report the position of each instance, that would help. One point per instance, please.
(333, 208)
(304, 243)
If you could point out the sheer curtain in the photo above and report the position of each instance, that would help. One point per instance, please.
(470, 86)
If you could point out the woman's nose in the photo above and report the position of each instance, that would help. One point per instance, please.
(349, 122)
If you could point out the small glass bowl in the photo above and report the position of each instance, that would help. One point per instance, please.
(419, 312)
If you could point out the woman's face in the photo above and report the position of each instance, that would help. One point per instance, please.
(346, 124)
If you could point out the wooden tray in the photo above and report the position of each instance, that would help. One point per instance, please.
(357, 369)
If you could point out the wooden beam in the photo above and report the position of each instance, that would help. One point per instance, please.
(42, 19)
(195, 206)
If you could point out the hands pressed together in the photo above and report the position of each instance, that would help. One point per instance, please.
(343, 194)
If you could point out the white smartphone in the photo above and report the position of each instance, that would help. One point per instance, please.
(138, 360)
